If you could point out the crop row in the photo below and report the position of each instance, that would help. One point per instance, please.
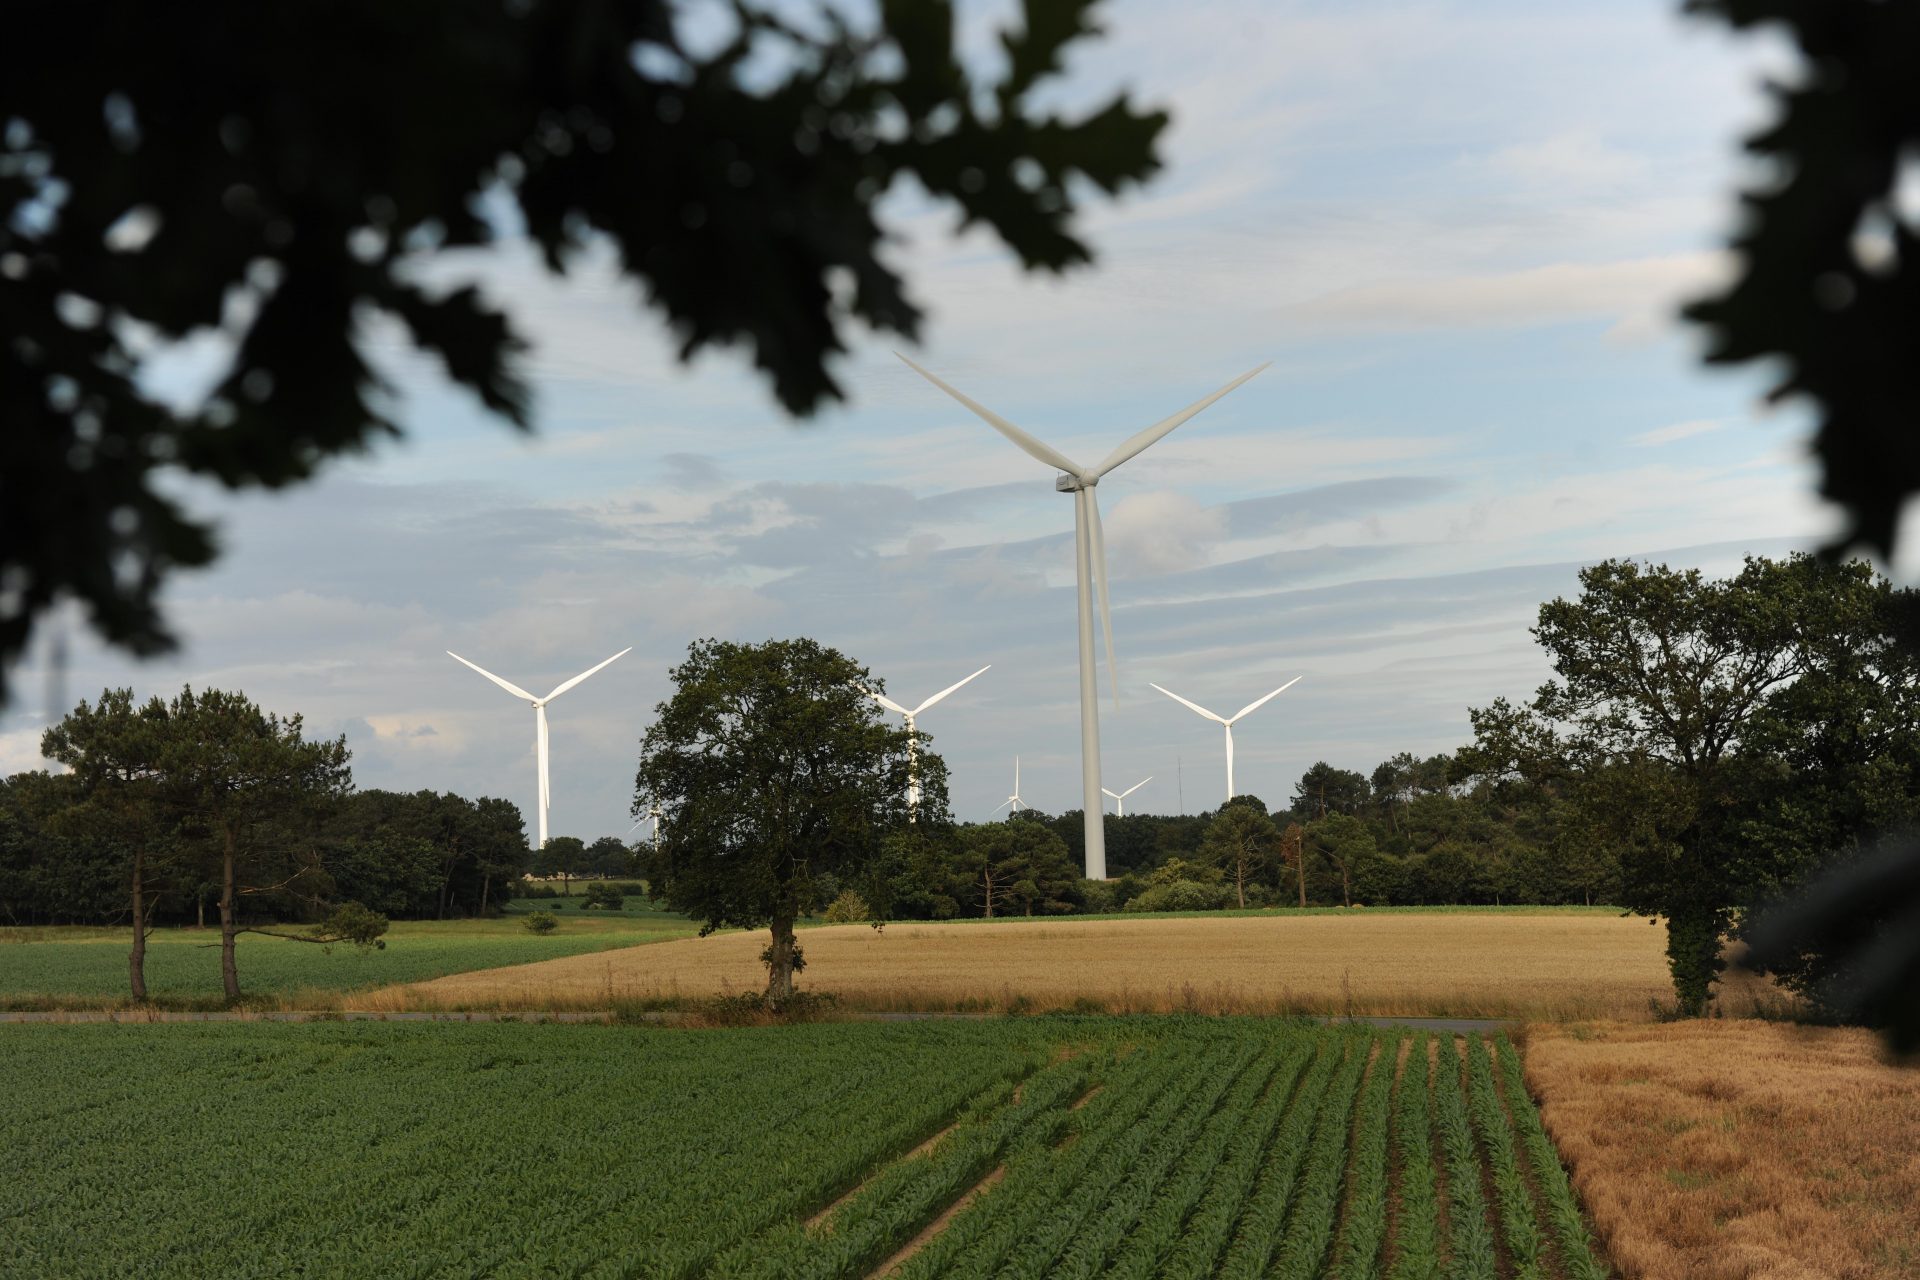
(1135, 1148)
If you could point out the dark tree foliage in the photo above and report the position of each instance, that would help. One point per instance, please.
(777, 781)
(1829, 279)
(280, 174)
(425, 855)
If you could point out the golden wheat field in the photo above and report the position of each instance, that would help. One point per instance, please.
(1736, 1150)
(1556, 966)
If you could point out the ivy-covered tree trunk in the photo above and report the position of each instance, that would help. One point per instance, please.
(137, 958)
(1693, 955)
(229, 929)
(783, 961)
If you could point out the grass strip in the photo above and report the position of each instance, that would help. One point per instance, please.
(1417, 1229)
(1575, 1245)
(1473, 1249)
(1515, 1201)
(1364, 1218)
(1302, 1254)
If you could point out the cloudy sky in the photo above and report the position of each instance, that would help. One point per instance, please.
(1459, 230)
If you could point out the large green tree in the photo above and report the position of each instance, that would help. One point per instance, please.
(251, 793)
(777, 780)
(115, 751)
(1243, 842)
(1691, 714)
(271, 176)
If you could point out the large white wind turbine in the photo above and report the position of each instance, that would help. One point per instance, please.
(1120, 797)
(1090, 570)
(539, 720)
(1228, 720)
(913, 753)
(1013, 803)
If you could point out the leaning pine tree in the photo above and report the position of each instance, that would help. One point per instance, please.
(776, 780)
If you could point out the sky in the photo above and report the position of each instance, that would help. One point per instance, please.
(1460, 232)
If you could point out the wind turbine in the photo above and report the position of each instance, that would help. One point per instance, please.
(1090, 570)
(653, 813)
(539, 720)
(913, 754)
(1120, 797)
(1228, 720)
(1013, 803)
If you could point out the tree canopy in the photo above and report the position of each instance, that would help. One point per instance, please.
(275, 176)
(777, 780)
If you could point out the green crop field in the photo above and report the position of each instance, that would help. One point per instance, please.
(79, 966)
(1069, 1146)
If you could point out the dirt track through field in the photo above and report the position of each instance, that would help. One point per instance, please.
(1454, 965)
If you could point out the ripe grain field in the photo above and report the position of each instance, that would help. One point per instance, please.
(1552, 965)
(1737, 1150)
(1057, 1147)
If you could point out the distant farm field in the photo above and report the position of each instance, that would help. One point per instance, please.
(1558, 965)
(1718, 1150)
(81, 966)
(1028, 1147)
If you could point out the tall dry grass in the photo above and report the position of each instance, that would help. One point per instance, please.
(1737, 1150)
(1509, 966)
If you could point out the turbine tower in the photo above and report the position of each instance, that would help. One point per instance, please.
(1228, 720)
(1013, 803)
(1120, 797)
(1090, 572)
(539, 720)
(913, 751)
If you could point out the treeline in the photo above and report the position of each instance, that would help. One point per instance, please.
(1413, 832)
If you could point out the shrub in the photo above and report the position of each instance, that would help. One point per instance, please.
(534, 889)
(1100, 897)
(604, 894)
(848, 908)
(1182, 895)
(541, 922)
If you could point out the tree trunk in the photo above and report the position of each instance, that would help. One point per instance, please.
(1693, 956)
(486, 883)
(1300, 870)
(1346, 887)
(988, 882)
(200, 907)
(229, 930)
(780, 958)
(1240, 883)
(137, 958)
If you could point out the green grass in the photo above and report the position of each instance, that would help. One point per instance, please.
(1099, 1146)
(1575, 910)
(43, 967)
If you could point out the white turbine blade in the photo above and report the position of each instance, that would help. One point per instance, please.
(887, 702)
(1010, 800)
(949, 689)
(1158, 430)
(1113, 795)
(513, 689)
(1191, 706)
(1044, 452)
(584, 674)
(1255, 706)
(1135, 787)
(1098, 551)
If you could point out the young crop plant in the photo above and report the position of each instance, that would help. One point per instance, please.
(1575, 1245)
(1474, 1256)
(1266, 1211)
(1206, 1233)
(1496, 1140)
(1364, 1219)
(1316, 1200)
(1417, 1229)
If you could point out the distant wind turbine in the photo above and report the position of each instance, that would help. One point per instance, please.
(653, 813)
(1228, 721)
(1013, 803)
(913, 754)
(1090, 571)
(539, 720)
(1120, 797)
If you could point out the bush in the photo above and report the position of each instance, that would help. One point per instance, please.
(604, 894)
(1182, 895)
(849, 908)
(540, 922)
(1100, 897)
(534, 889)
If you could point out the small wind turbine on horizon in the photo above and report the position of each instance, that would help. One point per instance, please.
(539, 720)
(1120, 797)
(1228, 721)
(654, 813)
(1013, 803)
(1090, 572)
(913, 751)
